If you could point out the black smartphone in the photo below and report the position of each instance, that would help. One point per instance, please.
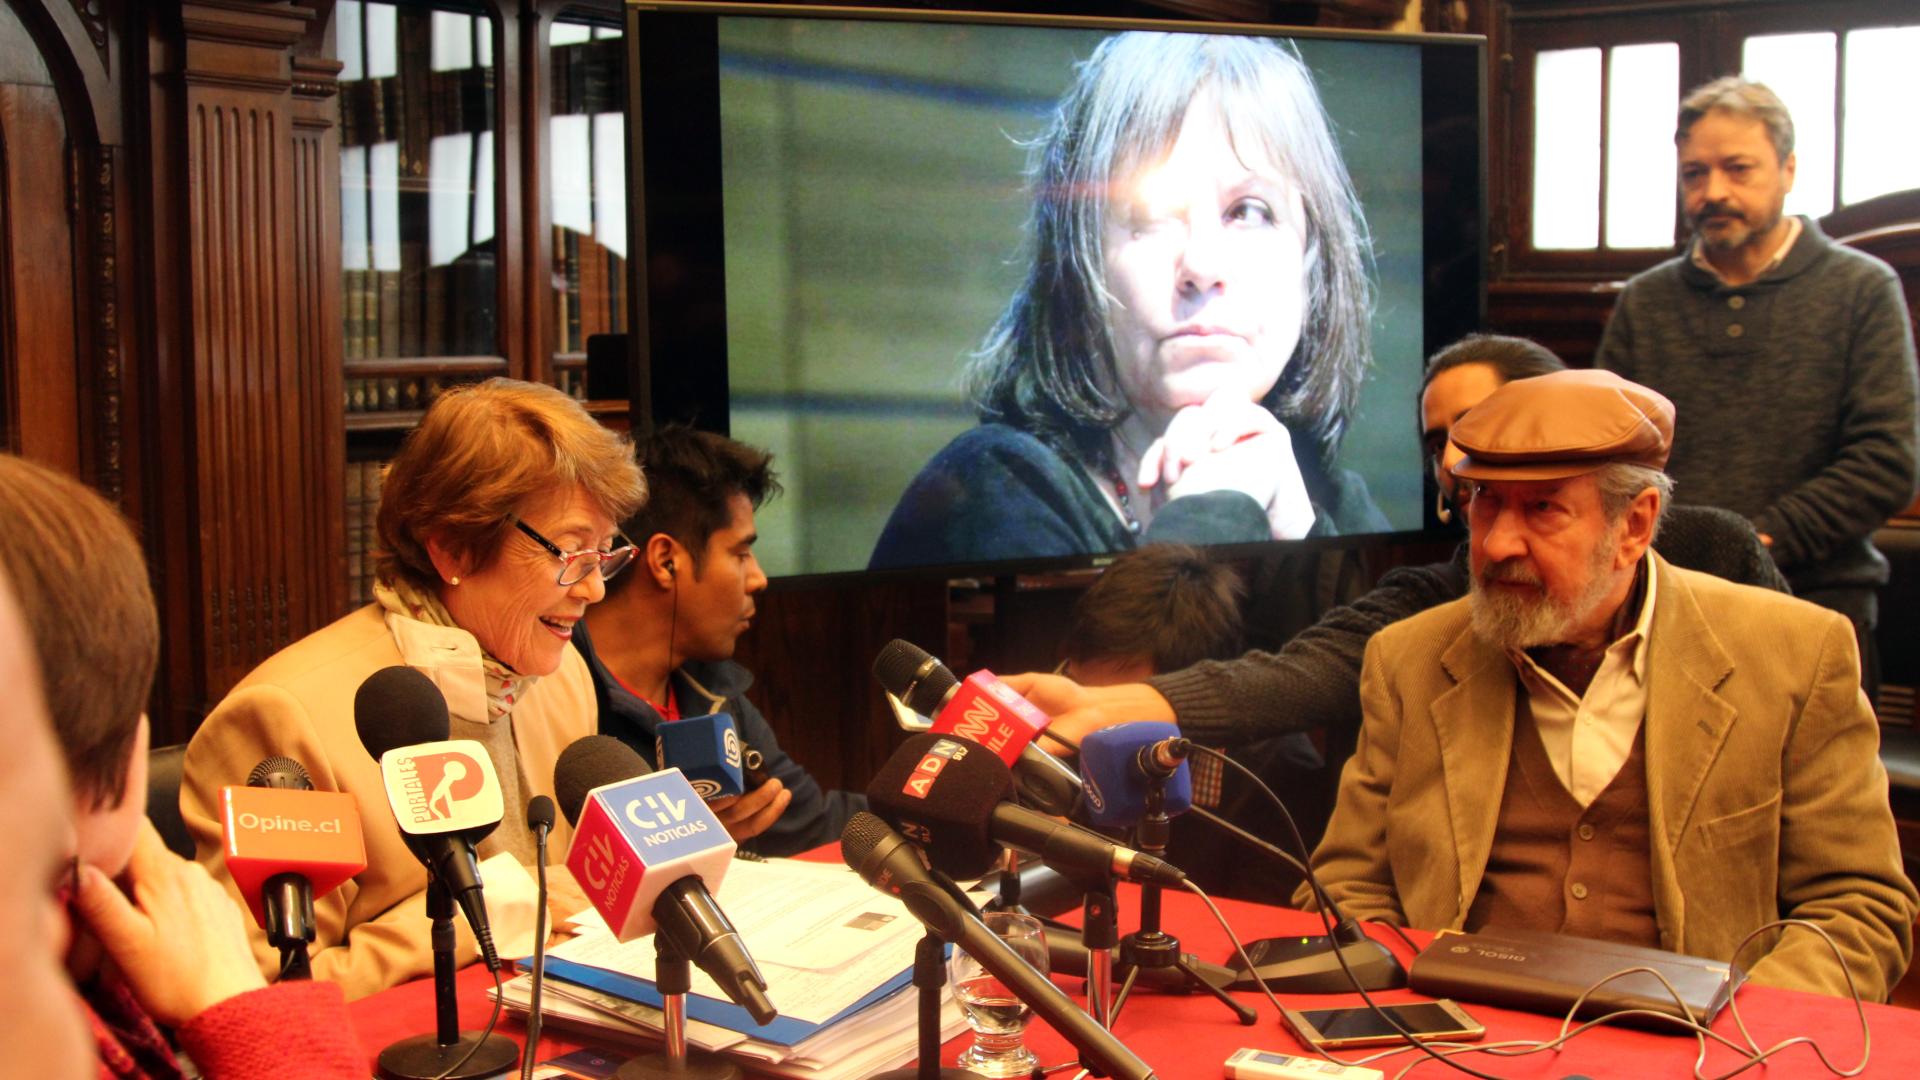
(1335, 1029)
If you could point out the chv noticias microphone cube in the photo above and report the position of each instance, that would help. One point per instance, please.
(636, 837)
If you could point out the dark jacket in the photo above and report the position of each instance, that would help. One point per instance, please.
(997, 493)
(813, 818)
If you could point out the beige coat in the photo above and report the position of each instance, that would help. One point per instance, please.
(1766, 794)
(373, 929)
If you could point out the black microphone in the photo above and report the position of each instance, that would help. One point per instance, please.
(887, 862)
(288, 897)
(1163, 758)
(951, 797)
(680, 903)
(540, 816)
(924, 685)
(540, 821)
(445, 797)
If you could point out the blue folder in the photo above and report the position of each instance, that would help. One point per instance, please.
(784, 1030)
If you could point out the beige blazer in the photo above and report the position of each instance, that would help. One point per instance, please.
(373, 931)
(1765, 789)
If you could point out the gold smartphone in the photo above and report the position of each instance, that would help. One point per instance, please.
(1337, 1029)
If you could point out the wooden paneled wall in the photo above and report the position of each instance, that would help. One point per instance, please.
(259, 568)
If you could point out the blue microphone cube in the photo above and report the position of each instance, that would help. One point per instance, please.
(1114, 786)
(707, 750)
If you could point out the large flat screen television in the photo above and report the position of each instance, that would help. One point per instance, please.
(963, 274)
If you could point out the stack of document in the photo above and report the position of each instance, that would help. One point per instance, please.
(837, 955)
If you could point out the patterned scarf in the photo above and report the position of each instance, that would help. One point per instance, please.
(505, 687)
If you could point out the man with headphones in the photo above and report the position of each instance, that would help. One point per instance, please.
(660, 645)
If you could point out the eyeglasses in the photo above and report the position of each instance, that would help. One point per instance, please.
(576, 565)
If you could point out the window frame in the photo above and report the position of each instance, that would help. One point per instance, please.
(1710, 39)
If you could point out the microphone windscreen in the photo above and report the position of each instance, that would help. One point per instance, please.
(595, 761)
(398, 706)
(940, 793)
(280, 772)
(1114, 786)
(862, 834)
(913, 675)
(540, 812)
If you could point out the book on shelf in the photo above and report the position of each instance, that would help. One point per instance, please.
(363, 481)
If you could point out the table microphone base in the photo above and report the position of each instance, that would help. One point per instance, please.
(424, 1058)
(698, 1065)
(912, 1072)
(1307, 965)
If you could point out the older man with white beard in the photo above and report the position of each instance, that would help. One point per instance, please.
(1597, 743)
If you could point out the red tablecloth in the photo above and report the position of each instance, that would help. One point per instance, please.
(1187, 1037)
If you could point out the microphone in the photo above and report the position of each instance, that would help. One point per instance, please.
(951, 798)
(983, 709)
(889, 863)
(1118, 762)
(443, 792)
(645, 850)
(286, 844)
(707, 750)
(540, 823)
(540, 815)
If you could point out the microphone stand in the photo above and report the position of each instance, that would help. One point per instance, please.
(290, 922)
(929, 979)
(1010, 885)
(539, 949)
(673, 974)
(1152, 947)
(433, 1057)
(1099, 933)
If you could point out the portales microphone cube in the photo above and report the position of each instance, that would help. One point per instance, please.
(637, 837)
(706, 749)
(273, 831)
(442, 787)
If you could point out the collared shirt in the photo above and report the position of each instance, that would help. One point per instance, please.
(1589, 736)
(1699, 253)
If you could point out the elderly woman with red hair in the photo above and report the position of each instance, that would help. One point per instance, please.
(496, 530)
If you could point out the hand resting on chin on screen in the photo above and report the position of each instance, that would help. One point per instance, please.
(1230, 443)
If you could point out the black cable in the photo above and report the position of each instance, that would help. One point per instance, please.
(1325, 907)
(480, 1040)
(1397, 932)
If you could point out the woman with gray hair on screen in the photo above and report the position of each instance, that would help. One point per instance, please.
(1182, 358)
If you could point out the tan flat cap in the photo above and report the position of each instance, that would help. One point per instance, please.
(1564, 424)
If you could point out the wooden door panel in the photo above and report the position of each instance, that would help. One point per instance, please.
(41, 347)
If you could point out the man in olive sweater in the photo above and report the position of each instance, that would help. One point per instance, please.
(1789, 357)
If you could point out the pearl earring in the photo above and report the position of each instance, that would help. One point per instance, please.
(454, 580)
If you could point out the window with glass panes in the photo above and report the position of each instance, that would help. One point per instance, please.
(1598, 93)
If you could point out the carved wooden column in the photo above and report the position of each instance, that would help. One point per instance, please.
(258, 348)
(316, 269)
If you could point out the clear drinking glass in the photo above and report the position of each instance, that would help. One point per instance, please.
(997, 1016)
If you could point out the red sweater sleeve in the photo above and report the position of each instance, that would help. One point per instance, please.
(289, 1028)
